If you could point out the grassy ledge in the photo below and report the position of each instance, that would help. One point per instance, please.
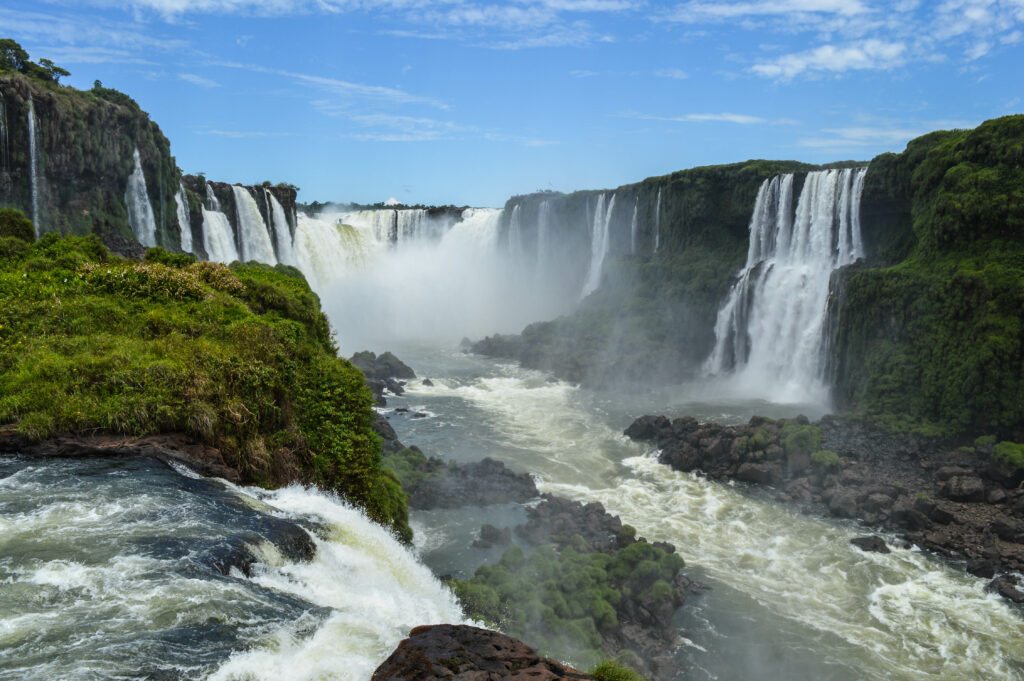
(240, 358)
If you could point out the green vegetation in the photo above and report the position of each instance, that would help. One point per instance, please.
(14, 224)
(411, 466)
(14, 58)
(238, 358)
(564, 602)
(933, 344)
(800, 439)
(826, 458)
(1010, 453)
(611, 671)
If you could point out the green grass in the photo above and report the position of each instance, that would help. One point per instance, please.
(238, 358)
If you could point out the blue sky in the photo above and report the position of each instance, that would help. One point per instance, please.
(456, 101)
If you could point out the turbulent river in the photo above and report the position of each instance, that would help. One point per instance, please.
(106, 566)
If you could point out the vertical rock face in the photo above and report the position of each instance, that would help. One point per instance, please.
(84, 145)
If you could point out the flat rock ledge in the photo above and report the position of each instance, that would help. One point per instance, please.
(464, 653)
(168, 448)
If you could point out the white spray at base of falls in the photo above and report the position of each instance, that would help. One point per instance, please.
(252, 230)
(375, 588)
(33, 162)
(769, 332)
(183, 220)
(218, 237)
(599, 242)
(140, 211)
(283, 231)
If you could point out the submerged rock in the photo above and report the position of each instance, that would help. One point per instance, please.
(448, 651)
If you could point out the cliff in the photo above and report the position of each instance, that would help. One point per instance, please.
(932, 338)
(84, 144)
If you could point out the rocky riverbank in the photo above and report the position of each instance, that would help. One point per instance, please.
(961, 503)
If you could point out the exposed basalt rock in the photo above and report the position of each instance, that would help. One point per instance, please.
(384, 366)
(872, 544)
(470, 484)
(169, 448)
(445, 651)
(953, 502)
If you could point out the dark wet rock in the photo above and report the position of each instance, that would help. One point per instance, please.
(447, 652)
(491, 536)
(871, 543)
(1007, 586)
(391, 443)
(427, 382)
(381, 367)
(377, 387)
(943, 498)
(394, 387)
(473, 484)
(420, 415)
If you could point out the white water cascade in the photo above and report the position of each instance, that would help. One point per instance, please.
(33, 156)
(769, 331)
(657, 222)
(183, 220)
(515, 231)
(543, 235)
(282, 230)
(252, 230)
(140, 211)
(633, 226)
(5, 148)
(218, 237)
(212, 202)
(599, 241)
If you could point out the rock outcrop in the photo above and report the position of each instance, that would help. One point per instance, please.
(444, 652)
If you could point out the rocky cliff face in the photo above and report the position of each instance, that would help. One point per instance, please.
(84, 144)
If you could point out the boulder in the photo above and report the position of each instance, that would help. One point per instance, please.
(870, 543)
(442, 652)
(843, 503)
(759, 473)
(647, 428)
(964, 488)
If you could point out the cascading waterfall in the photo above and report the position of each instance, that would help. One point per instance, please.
(33, 156)
(183, 220)
(769, 331)
(140, 211)
(515, 231)
(282, 230)
(218, 237)
(657, 222)
(212, 202)
(633, 226)
(5, 148)
(543, 235)
(599, 241)
(254, 237)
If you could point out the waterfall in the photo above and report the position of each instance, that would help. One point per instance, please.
(543, 234)
(633, 226)
(282, 230)
(599, 240)
(33, 156)
(515, 231)
(140, 212)
(5, 147)
(183, 220)
(657, 222)
(769, 331)
(212, 202)
(254, 237)
(218, 237)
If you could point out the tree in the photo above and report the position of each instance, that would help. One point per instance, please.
(14, 223)
(12, 56)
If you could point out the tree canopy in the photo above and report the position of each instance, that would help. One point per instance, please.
(13, 57)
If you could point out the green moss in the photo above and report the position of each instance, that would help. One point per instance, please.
(826, 458)
(240, 359)
(798, 439)
(564, 602)
(612, 671)
(1010, 453)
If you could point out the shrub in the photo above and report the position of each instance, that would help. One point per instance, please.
(1010, 453)
(13, 223)
(826, 458)
(799, 439)
(611, 671)
(161, 255)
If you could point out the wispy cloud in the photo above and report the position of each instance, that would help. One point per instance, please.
(700, 12)
(867, 54)
(678, 74)
(875, 136)
(742, 119)
(583, 73)
(198, 80)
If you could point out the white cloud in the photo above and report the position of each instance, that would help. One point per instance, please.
(867, 54)
(678, 74)
(742, 119)
(198, 80)
(583, 73)
(875, 137)
(698, 11)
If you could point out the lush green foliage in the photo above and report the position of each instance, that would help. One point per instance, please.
(564, 601)
(238, 358)
(826, 458)
(14, 224)
(611, 671)
(14, 58)
(800, 439)
(1011, 453)
(934, 343)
